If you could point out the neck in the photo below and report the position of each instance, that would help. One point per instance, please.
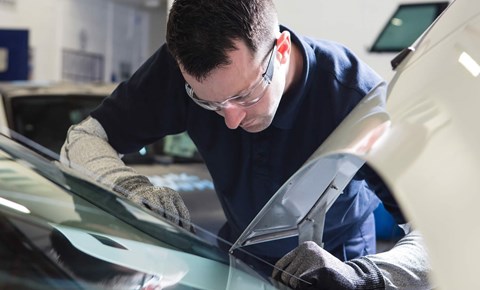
(294, 69)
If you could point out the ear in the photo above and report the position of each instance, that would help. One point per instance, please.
(284, 46)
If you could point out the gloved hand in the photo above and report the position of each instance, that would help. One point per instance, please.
(161, 200)
(87, 149)
(324, 271)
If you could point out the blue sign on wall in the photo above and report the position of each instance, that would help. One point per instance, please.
(13, 54)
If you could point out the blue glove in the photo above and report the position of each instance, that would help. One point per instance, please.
(322, 270)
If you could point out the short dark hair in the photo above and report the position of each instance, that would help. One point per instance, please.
(200, 33)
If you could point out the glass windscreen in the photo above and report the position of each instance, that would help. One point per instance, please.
(62, 231)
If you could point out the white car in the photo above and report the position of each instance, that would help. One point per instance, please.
(426, 149)
(43, 111)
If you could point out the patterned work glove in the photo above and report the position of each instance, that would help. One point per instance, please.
(324, 271)
(161, 200)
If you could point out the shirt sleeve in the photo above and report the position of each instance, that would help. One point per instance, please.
(151, 104)
(406, 265)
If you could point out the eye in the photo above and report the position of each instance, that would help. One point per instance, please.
(242, 98)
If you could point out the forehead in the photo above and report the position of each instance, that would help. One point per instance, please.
(238, 76)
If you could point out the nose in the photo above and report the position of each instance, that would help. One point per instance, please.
(233, 116)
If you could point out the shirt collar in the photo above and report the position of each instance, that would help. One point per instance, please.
(292, 99)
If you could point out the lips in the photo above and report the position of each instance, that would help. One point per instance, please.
(246, 124)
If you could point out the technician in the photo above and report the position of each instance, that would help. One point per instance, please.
(257, 100)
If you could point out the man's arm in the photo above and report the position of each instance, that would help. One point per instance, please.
(405, 266)
(86, 148)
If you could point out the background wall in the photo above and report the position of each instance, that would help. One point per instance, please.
(351, 22)
(125, 35)
(41, 18)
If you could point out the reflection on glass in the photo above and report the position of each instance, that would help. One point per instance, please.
(100, 260)
(469, 63)
(13, 205)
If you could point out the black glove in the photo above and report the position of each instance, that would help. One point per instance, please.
(322, 270)
(161, 200)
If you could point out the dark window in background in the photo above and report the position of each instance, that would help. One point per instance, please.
(46, 119)
(407, 23)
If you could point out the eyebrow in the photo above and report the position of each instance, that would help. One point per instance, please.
(247, 91)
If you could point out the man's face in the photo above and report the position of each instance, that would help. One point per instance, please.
(243, 76)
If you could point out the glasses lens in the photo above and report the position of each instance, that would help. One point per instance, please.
(250, 99)
(204, 104)
(260, 89)
(255, 95)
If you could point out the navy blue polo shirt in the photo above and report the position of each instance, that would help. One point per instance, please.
(248, 168)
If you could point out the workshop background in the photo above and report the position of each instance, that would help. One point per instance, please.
(104, 41)
(111, 38)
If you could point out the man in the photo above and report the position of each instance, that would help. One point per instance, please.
(257, 100)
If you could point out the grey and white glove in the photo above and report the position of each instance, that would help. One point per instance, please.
(161, 200)
(87, 149)
(322, 270)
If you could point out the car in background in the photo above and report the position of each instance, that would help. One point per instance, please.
(43, 111)
(60, 230)
(424, 146)
(38, 114)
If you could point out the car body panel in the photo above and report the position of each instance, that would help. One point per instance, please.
(429, 154)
